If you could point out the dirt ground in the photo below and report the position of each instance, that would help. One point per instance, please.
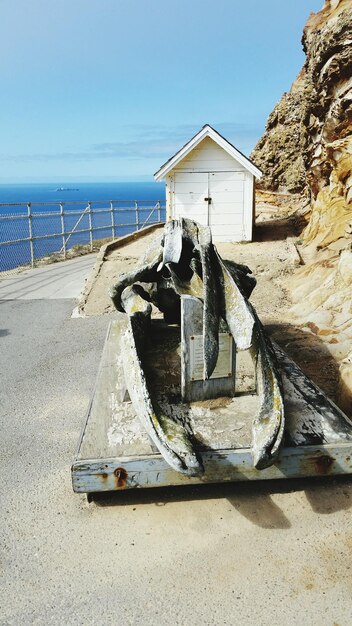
(272, 263)
(117, 262)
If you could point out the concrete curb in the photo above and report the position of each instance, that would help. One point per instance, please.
(102, 255)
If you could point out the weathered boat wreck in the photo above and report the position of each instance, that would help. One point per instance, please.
(184, 277)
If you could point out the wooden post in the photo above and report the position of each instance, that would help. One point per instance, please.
(63, 229)
(159, 215)
(30, 230)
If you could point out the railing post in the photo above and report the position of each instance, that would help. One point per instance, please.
(90, 226)
(30, 231)
(137, 215)
(62, 218)
(112, 220)
(159, 214)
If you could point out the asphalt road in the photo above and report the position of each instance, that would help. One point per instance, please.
(268, 554)
(50, 282)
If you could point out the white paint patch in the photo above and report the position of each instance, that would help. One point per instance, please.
(126, 428)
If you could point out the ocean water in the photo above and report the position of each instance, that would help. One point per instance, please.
(74, 196)
(48, 192)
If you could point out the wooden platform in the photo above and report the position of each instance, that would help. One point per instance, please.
(115, 453)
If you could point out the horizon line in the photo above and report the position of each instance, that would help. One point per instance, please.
(80, 179)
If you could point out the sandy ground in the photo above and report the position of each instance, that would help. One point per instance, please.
(117, 262)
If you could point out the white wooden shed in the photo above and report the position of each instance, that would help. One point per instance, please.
(212, 182)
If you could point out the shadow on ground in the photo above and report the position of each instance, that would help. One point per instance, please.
(276, 230)
(310, 353)
(253, 500)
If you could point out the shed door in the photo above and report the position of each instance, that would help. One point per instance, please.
(212, 198)
(226, 216)
(189, 191)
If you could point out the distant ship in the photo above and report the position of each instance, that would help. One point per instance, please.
(66, 189)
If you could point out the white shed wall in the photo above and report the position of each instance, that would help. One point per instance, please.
(209, 171)
(208, 157)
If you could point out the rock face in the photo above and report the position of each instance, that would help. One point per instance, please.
(279, 152)
(307, 145)
(307, 149)
(322, 305)
(328, 43)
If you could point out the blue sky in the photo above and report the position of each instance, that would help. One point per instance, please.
(109, 89)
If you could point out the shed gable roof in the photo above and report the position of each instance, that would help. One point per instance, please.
(207, 131)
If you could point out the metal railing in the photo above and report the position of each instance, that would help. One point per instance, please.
(31, 231)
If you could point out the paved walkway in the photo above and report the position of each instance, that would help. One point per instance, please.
(50, 282)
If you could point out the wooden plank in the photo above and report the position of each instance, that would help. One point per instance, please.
(203, 167)
(221, 234)
(113, 427)
(220, 466)
(225, 185)
(197, 177)
(192, 184)
(248, 198)
(225, 220)
(211, 165)
(312, 417)
(191, 200)
(208, 151)
(223, 196)
(190, 211)
(200, 214)
(234, 177)
(226, 202)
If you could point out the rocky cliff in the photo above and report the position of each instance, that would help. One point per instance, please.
(279, 152)
(307, 145)
(307, 150)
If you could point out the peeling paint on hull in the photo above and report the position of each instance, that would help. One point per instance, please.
(222, 466)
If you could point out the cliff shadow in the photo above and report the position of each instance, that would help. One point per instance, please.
(310, 353)
(252, 500)
(276, 230)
